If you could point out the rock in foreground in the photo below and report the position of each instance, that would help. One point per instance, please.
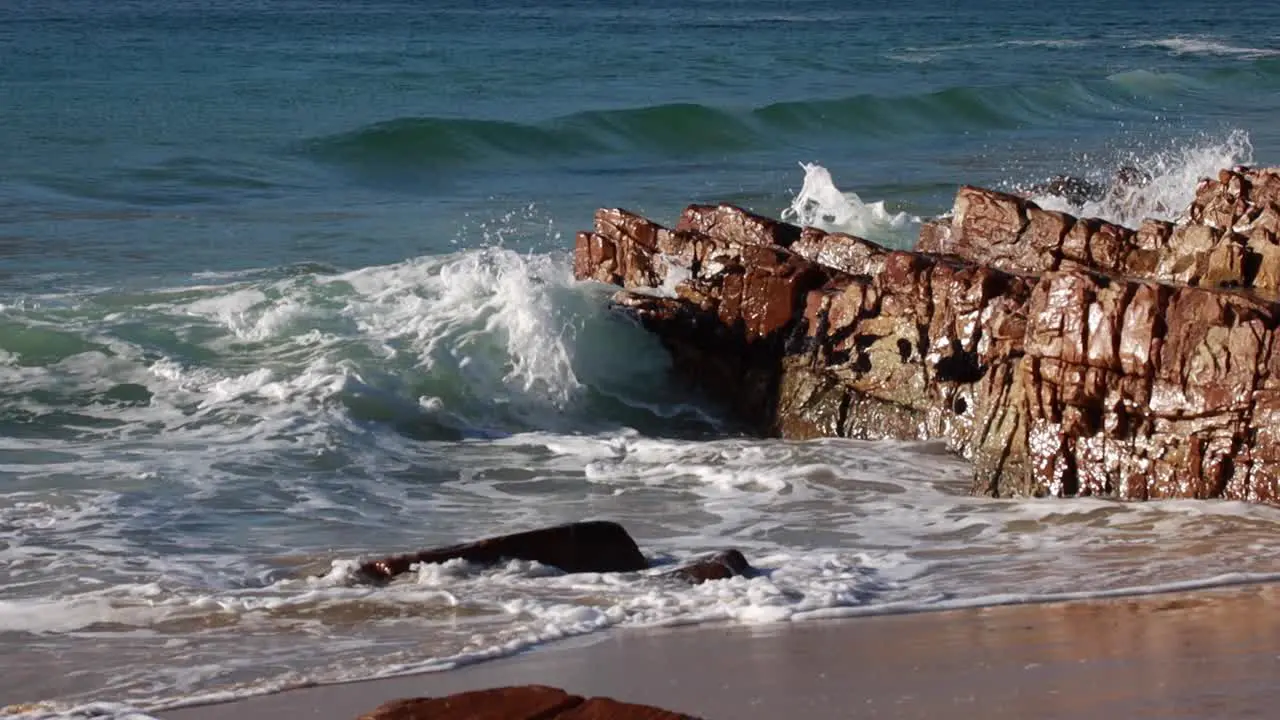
(595, 546)
(529, 702)
(1062, 356)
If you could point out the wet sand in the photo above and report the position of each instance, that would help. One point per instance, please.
(1211, 654)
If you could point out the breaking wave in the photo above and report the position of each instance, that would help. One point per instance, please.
(1169, 179)
(482, 341)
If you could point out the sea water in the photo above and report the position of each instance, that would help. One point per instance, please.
(287, 284)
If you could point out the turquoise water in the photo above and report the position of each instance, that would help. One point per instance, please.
(256, 134)
(285, 283)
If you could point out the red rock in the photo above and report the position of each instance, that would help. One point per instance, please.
(719, 566)
(1069, 372)
(729, 223)
(528, 702)
(596, 546)
(1227, 241)
(842, 252)
(607, 709)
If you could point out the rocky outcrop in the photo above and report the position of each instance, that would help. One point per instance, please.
(1228, 238)
(527, 702)
(1049, 350)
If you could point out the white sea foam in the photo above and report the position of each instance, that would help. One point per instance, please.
(821, 204)
(930, 53)
(836, 527)
(88, 711)
(1174, 174)
(454, 311)
(1203, 45)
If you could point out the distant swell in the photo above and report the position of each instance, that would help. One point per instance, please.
(695, 129)
(661, 129)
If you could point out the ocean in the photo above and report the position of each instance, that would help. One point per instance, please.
(287, 283)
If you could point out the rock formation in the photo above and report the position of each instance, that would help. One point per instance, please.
(720, 566)
(577, 547)
(528, 702)
(1062, 356)
(1228, 238)
(593, 546)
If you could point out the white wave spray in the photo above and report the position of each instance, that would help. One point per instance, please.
(1169, 179)
(821, 204)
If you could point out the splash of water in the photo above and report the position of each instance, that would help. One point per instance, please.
(821, 204)
(1168, 184)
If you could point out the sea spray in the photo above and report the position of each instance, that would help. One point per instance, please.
(821, 204)
(1168, 185)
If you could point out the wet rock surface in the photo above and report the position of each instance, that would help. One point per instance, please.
(1062, 356)
(719, 566)
(591, 546)
(1228, 237)
(594, 546)
(528, 702)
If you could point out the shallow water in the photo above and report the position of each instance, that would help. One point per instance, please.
(286, 285)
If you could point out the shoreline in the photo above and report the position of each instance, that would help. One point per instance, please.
(1154, 655)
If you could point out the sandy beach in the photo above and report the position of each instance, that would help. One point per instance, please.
(1210, 654)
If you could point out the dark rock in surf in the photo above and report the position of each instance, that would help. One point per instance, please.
(595, 546)
(719, 566)
(527, 702)
(1076, 191)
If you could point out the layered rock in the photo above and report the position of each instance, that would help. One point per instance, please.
(1228, 239)
(526, 702)
(1040, 346)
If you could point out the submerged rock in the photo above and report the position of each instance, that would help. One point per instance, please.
(1078, 191)
(595, 546)
(1062, 356)
(527, 702)
(718, 566)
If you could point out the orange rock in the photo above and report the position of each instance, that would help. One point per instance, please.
(529, 702)
(1077, 369)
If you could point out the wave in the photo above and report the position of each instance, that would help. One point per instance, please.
(1202, 45)
(440, 141)
(420, 144)
(1171, 173)
(481, 341)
